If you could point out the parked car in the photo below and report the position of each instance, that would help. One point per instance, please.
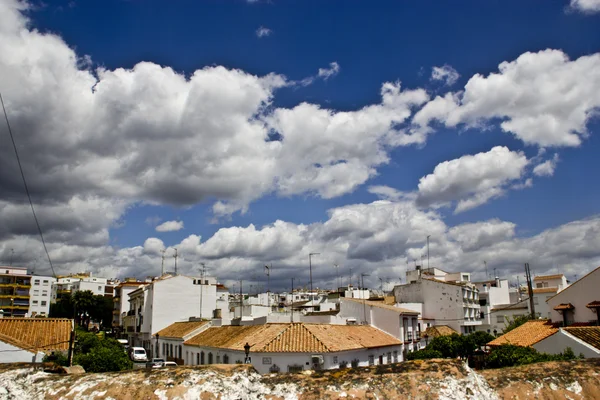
(166, 364)
(155, 363)
(138, 354)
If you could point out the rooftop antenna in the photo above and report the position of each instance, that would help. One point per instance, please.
(292, 305)
(175, 256)
(202, 273)
(268, 273)
(428, 236)
(162, 264)
(487, 275)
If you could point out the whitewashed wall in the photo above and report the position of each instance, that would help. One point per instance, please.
(558, 342)
(10, 354)
(579, 294)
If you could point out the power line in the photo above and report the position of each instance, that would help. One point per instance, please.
(26, 187)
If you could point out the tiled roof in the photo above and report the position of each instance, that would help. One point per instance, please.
(381, 304)
(545, 290)
(439, 330)
(589, 334)
(593, 304)
(36, 333)
(527, 334)
(564, 306)
(294, 338)
(181, 329)
(542, 277)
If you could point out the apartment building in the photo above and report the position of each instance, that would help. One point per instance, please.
(121, 300)
(167, 300)
(545, 287)
(83, 282)
(23, 295)
(441, 298)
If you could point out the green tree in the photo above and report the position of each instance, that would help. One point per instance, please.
(97, 354)
(85, 303)
(481, 338)
(509, 355)
(515, 322)
(424, 354)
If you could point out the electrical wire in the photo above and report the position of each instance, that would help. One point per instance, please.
(35, 347)
(26, 187)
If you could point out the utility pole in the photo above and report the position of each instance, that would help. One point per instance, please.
(71, 343)
(428, 251)
(310, 268)
(175, 256)
(530, 289)
(292, 305)
(202, 273)
(268, 271)
(162, 264)
(362, 277)
(241, 298)
(350, 281)
(337, 269)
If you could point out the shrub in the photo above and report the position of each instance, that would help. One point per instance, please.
(424, 354)
(509, 355)
(57, 358)
(97, 354)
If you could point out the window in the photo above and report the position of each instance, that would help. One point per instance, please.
(499, 319)
(266, 361)
(44, 293)
(99, 288)
(371, 359)
(202, 358)
(43, 302)
(35, 302)
(465, 277)
(535, 301)
(539, 285)
(45, 282)
(36, 282)
(171, 350)
(198, 358)
(389, 357)
(180, 351)
(395, 356)
(335, 360)
(210, 358)
(225, 359)
(36, 292)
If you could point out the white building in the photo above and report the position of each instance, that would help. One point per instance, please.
(292, 347)
(579, 302)
(545, 287)
(442, 297)
(121, 300)
(42, 293)
(166, 300)
(497, 308)
(29, 339)
(583, 340)
(168, 342)
(95, 285)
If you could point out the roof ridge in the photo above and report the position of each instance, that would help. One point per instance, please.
(317, 338)
(281, 332)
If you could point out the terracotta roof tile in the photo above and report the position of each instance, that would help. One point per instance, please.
(527, 334)
(545, 290)
(593, 304)
(589, 334)
(381, 304)
(542, 277)
(564, 306)
(439, 330)
(296, 337)
(181, 329)
(36, 333)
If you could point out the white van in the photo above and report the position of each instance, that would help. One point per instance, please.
(138, 354)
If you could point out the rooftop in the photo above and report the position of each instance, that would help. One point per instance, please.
(527, 334)
(36, 333)
(439, 330)
(181, 329)
(543, 277)
(589, 334)
(564, 306)
(294, 337)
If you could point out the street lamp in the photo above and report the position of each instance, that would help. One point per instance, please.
(310, 267)
(247, 352)
(157, 348)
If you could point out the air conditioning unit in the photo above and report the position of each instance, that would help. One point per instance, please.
(317, 359)
(351, 321)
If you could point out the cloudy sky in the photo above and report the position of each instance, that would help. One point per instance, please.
(246, 133)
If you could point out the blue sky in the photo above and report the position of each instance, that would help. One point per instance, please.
(371, 43)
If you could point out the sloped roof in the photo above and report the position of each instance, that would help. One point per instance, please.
(42, 334)
(181, 329)
(527, 334)
(576, 282)
(381, 304)
(564, 306)
(589, 334)
(542, 277)
(293, 338)
(439, 330)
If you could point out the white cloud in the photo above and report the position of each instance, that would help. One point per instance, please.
(472, 180)
(326, 73)
(586, 6)
(170, 226)
(542, 98)
(445, 73)
(547, 167)
(263, 32)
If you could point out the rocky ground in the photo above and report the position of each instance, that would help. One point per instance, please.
(433, 379)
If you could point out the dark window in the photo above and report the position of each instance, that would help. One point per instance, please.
(202, 358)
(210, 358)
(225, 359)
(197, 358)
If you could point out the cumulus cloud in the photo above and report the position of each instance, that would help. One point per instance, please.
(472, 180)
(263, 32)
(586, 6)
(547, 167)
(170, 226)
(542, 98)
(445, 73)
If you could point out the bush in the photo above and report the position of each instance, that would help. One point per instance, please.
(97, 354)
(57, 358)
(424, 354)
(509, 355)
